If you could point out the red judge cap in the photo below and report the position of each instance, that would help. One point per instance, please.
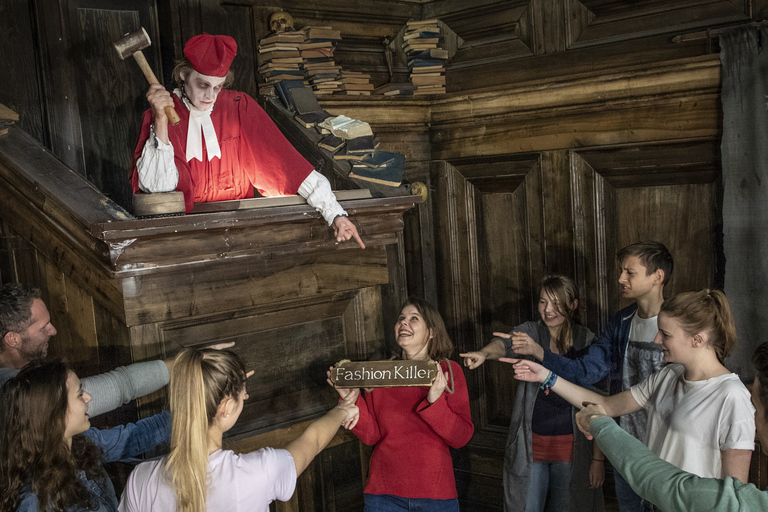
(211, 55)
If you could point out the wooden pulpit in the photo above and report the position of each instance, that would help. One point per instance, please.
(273, 279)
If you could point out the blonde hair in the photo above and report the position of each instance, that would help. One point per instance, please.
(564, 290)
(705, 311)
(200, 380)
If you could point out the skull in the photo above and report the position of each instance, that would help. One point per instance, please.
(281, 22)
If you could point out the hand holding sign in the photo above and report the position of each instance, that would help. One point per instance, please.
(438, 386)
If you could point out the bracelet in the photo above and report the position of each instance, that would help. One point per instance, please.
(598, 460)
(548, 382)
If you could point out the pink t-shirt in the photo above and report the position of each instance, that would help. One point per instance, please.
(246, 482)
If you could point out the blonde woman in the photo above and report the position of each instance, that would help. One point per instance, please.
(207, 394)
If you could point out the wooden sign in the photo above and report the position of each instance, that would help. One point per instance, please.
(383, 374)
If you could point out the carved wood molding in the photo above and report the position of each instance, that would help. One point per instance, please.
(630, 83)
(590, 22)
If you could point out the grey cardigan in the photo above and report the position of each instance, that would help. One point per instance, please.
(518, 456)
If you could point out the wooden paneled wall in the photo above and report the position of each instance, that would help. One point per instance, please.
(571, 128)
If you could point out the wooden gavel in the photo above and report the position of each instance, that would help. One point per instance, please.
(132, 44)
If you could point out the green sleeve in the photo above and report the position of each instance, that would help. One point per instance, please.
(666, 486)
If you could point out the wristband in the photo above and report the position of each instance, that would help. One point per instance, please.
(548, 382)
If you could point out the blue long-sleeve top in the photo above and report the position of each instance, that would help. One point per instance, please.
(604, 357)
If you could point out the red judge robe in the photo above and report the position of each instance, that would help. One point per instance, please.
(254, 153)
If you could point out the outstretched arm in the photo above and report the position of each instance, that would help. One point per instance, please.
(615, 405)
(658, 481)
(320, 432)
(316, 189)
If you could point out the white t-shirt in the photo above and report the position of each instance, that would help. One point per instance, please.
(690, 422)
(246, 482)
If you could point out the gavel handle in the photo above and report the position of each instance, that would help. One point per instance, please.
(173, 117)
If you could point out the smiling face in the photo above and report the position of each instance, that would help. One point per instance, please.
(202, 90)
(412, 334)
(77, 420)
(34, 339)
(551, 311)
(675, 343)
(634, 281)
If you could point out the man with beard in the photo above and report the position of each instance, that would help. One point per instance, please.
(25, 328)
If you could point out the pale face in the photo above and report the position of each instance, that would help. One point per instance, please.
(675, 343)
(634, 280)
(202, 90)
(77, 420)
(551, 311)
(412, 334)
(34, 339)
(760, 423)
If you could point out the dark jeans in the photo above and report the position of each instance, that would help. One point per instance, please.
(389, 503)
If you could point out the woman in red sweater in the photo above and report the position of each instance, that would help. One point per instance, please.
(412, 428)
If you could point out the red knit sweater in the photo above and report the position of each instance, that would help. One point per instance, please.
(411, 458)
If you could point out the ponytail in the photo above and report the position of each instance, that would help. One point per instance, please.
(200, 380)
(705, 311)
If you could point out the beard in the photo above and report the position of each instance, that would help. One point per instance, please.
(34, 353)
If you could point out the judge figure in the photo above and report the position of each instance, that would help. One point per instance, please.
(225, 144)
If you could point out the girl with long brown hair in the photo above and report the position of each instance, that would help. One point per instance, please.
(207, 395)
(544, 454)
(50, 458)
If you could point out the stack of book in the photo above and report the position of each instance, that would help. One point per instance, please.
(426, 59)
(279, 59)
(355, 83)
(316, 52)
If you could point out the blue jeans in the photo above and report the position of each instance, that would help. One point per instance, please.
(554, 477)
(389, 503)
(628, 500)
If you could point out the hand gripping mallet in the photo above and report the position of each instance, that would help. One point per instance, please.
(132, 44)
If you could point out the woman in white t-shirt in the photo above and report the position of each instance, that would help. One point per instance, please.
(207, 392)
(700, 417)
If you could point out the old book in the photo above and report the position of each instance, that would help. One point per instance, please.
(274, 56)
(362, 145)
(305, 101)
(420, 80)
(422, 34)
(331, 143)
(316, 44)
(284, 37)
(394, 89)
(432, 53)
(356, 87)
(317, 53)
(283, 90)
(310, 119)
(421, 23)
(347, 128)
(390, 174)
(278, 47)
(376, 159)
(316, 32)
(342, 154)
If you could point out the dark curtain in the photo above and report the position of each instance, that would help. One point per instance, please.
(744, 61)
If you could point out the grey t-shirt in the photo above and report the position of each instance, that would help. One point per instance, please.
(642, 359)
(112, 389)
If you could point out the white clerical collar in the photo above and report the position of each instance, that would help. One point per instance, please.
(200, 122)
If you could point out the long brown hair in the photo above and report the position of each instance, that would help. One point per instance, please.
(564, 290)
(32, 446)
(705, 311)
(440, 346)
(200, 380)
